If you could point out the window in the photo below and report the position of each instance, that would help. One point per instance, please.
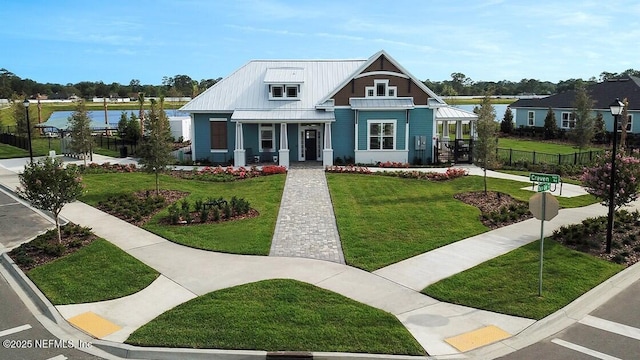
(382, 134)
(629, 124)
(284, 92)
(531, 118)
(218, 130)
(292, 91)
(568, 120)
(381, 88)
(276, 91)
(266, 137)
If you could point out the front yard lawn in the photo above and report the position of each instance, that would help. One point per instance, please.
(248, 236)
(96, 272)
(509, 284)
(278, 315)
(383, 220)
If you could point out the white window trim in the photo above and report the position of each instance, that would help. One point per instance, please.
(531, 120)
(284, 88)
(569, 120)
(374, 89)
(382, 122)
(273, 137)
(220, 151)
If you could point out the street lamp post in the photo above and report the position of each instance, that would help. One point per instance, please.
(26, 110)
(616, 109)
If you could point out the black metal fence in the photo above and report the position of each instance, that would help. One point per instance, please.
(511, 157)
(14, 140)
(117, 144)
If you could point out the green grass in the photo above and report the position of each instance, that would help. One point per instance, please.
(99, 271)
(274, 315)
(383, 220)
(565, 180)
(249, 236)
(509, 284)
(538, 146)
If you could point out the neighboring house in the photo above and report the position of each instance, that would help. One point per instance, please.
(285, 111)
(532, 112)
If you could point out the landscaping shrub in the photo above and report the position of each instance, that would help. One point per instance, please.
(130, 207)
(225, 174)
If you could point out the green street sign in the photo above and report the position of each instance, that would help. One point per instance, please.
(544, 178)
(544, 187)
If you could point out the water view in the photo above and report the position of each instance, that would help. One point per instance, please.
(59, 119)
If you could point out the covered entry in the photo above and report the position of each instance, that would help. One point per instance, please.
(456, 147)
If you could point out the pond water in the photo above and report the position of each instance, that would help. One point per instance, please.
(60, 119)
(500, 109)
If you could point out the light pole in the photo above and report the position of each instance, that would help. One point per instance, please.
(616, 109)
(26, 110)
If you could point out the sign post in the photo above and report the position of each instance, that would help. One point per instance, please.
(543, 206)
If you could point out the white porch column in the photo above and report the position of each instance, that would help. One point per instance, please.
(283, 153)
(474, 129)
(239, 154)
(459, 129)
(327, 151)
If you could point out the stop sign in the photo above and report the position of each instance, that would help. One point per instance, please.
(551, 206)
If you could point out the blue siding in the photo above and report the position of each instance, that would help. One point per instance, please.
(202, 138)
(401, 123)
(540, 114)
(292, 135)
(343, 133)
(421, 124)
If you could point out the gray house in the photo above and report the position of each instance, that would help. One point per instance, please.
(532, 112)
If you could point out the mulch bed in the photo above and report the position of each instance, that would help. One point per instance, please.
(493, 201)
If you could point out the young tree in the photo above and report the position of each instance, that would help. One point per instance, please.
(49, 186)
(550, 125)
(506, 126)
(80, 127)
(129, 128)
(582, 134)
(596, 179)
(623, 123)
(485, 146)
(599, 130)
(141, 103)
(155, 150)
(19, 115)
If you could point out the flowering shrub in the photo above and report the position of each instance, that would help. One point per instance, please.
(94, 168)
(223, 174)
(348, 169)
(449, 174)
(596, 179)
(393, 164)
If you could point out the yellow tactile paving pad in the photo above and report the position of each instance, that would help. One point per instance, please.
(477, 338)
(93, 324)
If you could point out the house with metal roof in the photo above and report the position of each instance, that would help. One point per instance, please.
(532, 112)
(366, 111)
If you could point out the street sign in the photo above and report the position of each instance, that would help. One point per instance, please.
(544, 178)
(551, 206)
(544, 187)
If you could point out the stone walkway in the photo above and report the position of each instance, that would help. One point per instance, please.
(306, 225)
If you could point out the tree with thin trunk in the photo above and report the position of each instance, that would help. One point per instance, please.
(19, 115)
(487, 142)
(550, 125)
(624, 122)
(583, 132)
(80, 127)
(141, 103)
(155, 149)
(49, 186)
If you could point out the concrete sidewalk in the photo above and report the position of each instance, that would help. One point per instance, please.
(187, 273)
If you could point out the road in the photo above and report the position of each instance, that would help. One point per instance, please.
(21, 334)
(610, 332)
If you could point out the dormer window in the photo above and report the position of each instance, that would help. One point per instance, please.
(380, 88)
(284, 92)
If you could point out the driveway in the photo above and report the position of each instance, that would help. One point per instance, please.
(19, 223)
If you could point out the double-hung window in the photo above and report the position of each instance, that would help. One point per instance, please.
(382, 134)
(266, 137)
(629, 124)
(218, 132)
(531, 118)
(568, 120)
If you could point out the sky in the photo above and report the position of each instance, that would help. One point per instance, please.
(118, 41)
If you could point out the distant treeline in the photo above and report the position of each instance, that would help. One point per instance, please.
(12, 86)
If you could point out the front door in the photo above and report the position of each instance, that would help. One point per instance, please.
(311, 145)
